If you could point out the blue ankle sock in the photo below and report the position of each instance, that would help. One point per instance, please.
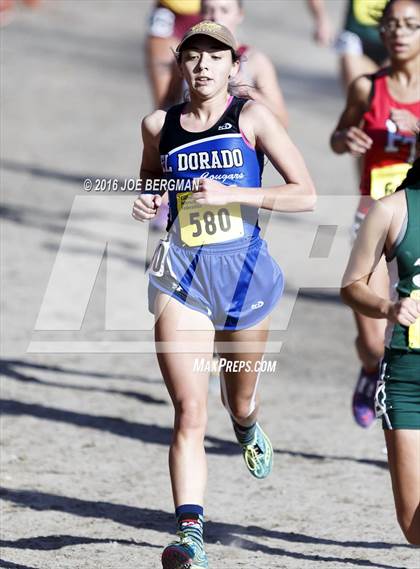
(189, 512)
(190, 518)
(244, 435)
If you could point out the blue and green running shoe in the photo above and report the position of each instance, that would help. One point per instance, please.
(185, 553)
(258, 454)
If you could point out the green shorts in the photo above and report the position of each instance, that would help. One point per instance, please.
(398, 392)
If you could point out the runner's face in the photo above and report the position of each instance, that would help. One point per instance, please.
(225, 12)
(401, 32)
(207, 65)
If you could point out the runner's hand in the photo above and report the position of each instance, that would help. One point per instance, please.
(356, 141)
(405, 311)
(405, 121)
(211, 192)
(146, 206)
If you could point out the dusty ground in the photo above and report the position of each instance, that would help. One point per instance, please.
(87, 420)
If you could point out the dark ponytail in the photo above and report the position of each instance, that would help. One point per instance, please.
(412, 180)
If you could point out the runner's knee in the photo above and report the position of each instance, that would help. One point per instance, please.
(190, 415)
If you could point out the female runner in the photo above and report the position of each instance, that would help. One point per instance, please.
(392, 227)
(256, 78)
(212, 281)
(379, 123)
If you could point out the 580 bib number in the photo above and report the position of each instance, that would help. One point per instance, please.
(203, 225)
(209, 222)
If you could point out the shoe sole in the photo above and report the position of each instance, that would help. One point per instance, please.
(175, 559)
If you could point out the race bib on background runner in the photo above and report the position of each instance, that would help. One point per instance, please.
(414, 329)
(386, 179)
(367, 12)
(205, 224)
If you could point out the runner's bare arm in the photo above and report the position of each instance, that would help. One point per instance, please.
(146, 205)
(267, 89)
(174, 93)
(151, 128)
(323, 32)
(368, 249)
(298, 194)
(365, 256)
(347, 135)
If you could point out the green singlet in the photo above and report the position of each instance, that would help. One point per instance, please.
(398, 394)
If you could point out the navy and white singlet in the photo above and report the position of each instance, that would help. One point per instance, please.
(214, 260)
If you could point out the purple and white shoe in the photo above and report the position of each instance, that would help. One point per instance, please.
(363, 404)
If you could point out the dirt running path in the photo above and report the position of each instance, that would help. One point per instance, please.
(87, 424)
